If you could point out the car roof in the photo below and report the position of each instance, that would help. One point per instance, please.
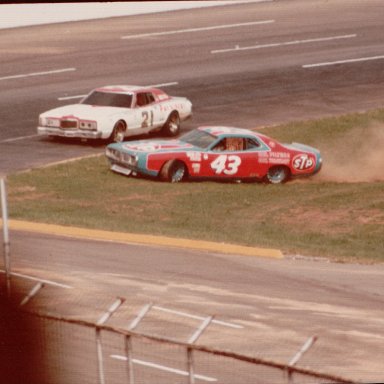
(129, 89)
(228, 131)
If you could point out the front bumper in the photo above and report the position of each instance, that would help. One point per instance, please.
(74, 133)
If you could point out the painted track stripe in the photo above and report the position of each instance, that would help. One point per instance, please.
(155, 85)
(120, 237)
(360, 59)
(184, 314)
(70, 97)
(48, 282)
(38, 73)
(188, 30)
(164, 368)
(286, 43)
(18, 138)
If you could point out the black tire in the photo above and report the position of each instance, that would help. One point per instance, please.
(172, 126)
(118, 132)
(278, 174)
(173, 171)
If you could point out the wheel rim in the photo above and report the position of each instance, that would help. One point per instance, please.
(178, 174)
(119, 133)
(174, 125)
(277, 175)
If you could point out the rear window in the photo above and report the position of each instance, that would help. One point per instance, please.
(108, 99)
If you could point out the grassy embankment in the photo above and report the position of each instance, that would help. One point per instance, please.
(339, 213)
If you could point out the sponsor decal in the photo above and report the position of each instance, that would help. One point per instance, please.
(147, 147)
(276, 158)
(278, 161)
(194, 156)
(279, 155)
(171, 107)
(150, 146)
(196, 167)
(303, 162)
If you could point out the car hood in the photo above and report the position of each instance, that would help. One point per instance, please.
(151, 146)
(81, 111)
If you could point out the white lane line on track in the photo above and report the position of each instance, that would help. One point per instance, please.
(184, 314)
(360, 59)
(164, 368)
(18, 138)
(286, 43)
(188, 30)
(70, 97)
(48, 282)
(154, 85)
(53, 72)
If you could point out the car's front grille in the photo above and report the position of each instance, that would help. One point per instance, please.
(121, 157)
(65, 124)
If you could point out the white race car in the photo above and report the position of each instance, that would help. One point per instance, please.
(116, 112)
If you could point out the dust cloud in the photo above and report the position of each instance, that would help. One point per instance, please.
(356, 157)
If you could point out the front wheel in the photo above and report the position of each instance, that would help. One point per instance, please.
(172, 126)
(173, 171)
(278, 174)
(118, 133)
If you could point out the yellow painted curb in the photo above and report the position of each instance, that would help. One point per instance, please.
(142, 239)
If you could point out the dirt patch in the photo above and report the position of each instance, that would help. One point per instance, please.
(356, 157)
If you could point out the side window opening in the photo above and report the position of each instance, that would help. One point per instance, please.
(252, 144)
(231, 144)
(150, 98)
(143, 99)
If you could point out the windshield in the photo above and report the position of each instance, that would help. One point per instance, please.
(198, 138)
(108, 99)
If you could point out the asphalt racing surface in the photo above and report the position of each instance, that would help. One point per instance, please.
(247, 65)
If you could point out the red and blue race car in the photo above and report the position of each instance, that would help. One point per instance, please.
(215, 152)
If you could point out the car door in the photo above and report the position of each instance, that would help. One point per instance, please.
(235, 157)
(230, 158)
(146, 114)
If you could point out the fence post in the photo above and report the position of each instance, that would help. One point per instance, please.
(192, 340)
(32, 293)
(128, 353)
(308, 344)
(7, 260)
(128, 341)
(111, 310)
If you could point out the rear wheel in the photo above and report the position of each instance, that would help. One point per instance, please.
(278, 174)
(172, 126)
(118, 133)
(173, 171)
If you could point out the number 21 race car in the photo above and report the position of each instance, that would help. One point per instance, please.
(116, 112)
(215, 153)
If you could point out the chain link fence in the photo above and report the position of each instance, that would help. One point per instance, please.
(60, 350)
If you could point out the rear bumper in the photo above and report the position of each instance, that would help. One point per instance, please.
(74, 133)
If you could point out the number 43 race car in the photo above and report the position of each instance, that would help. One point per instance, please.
(116, 112)
(224, 153)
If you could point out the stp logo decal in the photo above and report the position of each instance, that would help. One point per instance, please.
(303, 162)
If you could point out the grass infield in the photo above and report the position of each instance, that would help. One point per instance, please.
(338, 213)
